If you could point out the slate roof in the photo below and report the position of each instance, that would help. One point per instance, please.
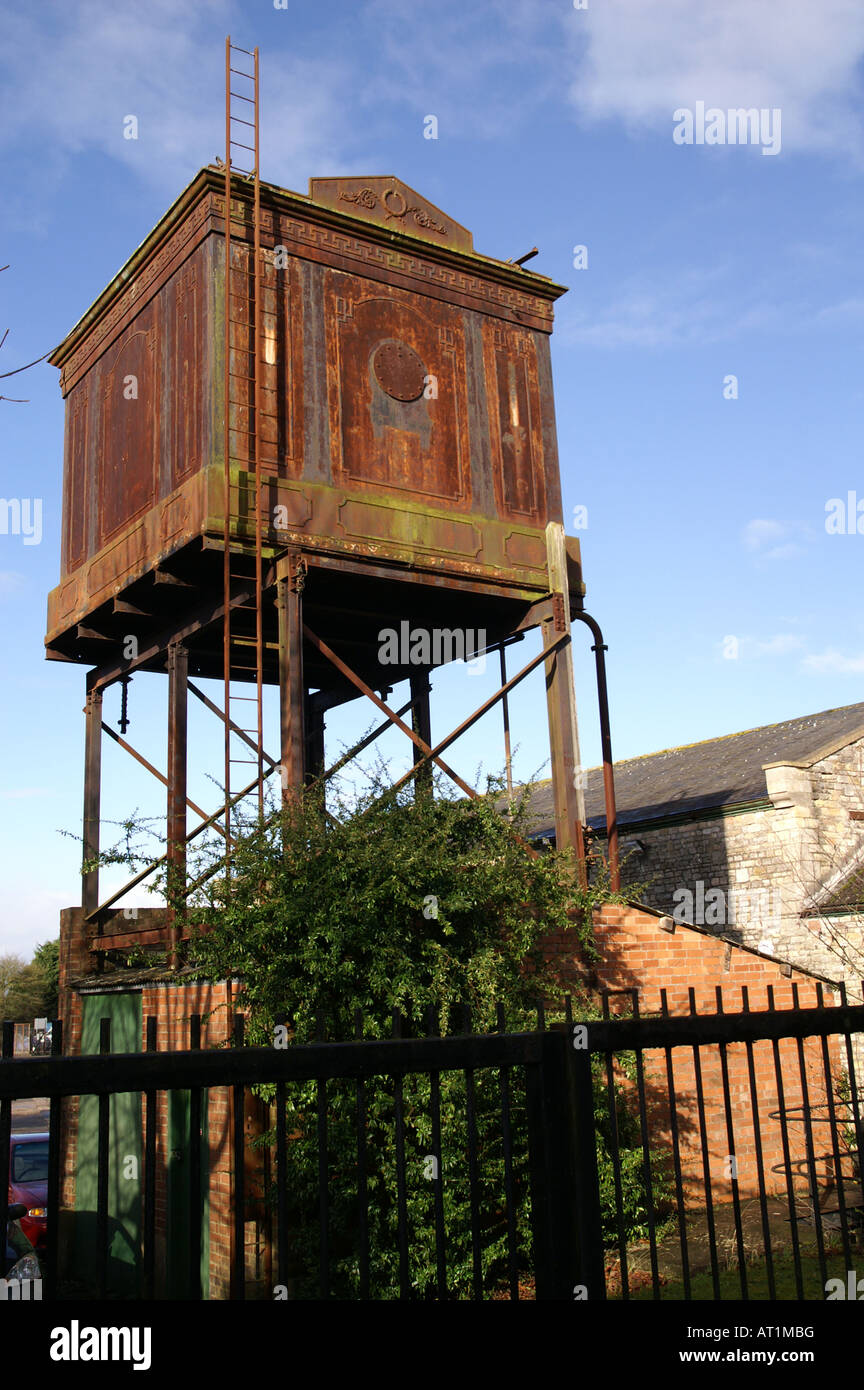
(718, 772)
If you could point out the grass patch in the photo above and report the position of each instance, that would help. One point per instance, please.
(786, 1289)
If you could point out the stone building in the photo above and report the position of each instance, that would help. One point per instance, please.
(757, 836)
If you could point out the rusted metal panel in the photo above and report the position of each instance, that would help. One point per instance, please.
(387, 431)
(311, 370)
(184, 376)
(126, 459)
(548, 428)
(76, 483)
(516, 410)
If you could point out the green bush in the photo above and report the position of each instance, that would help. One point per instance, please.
(426, 906)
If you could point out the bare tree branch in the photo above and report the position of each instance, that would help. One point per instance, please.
(14, 400)
(24, 369)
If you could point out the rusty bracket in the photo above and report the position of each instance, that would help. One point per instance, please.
(559, 617)
(297, 573)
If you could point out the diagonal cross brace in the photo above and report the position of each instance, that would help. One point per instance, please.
(505, 689)
(139, 758)
(428, 752)
(385, 709)
(154, 864)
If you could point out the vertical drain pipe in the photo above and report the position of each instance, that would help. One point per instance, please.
(505, 712)
(598, 649)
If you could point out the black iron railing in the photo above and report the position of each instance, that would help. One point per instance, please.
(700, 1156)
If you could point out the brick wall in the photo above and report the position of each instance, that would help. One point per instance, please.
(173, 1006)
(636, 953)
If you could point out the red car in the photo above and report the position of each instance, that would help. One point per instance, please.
(28, 1183)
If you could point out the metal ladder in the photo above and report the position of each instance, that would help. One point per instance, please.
(243, 315)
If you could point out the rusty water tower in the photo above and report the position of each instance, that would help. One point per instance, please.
(355, 431)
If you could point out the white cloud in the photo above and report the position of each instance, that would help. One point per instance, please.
(70, 75)
(776, 540)
(752, 648)
(11, 582)
(690, 310)
(852, 308)
(667, 313)
(832, 662)
(780, 645)
(637, 62)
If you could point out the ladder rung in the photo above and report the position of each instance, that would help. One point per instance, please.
(251, 124)
(253, 698)
(251, 148)
(247, 405)
(240, 96)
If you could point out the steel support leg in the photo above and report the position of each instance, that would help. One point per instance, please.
(92, 796)
(421, 723)
(178, 668)
(292, 689)
(567, 788)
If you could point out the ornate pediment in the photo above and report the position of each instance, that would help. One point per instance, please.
(389, 202)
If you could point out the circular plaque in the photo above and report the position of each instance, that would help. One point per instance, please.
(399, 371)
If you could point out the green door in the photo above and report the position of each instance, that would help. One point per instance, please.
(180, 1141)
(125, 1174)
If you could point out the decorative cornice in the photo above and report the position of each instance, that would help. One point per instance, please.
(392, 249)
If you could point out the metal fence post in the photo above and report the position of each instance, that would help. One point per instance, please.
(565, 1192)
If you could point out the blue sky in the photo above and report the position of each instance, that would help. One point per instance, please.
(706, 514)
